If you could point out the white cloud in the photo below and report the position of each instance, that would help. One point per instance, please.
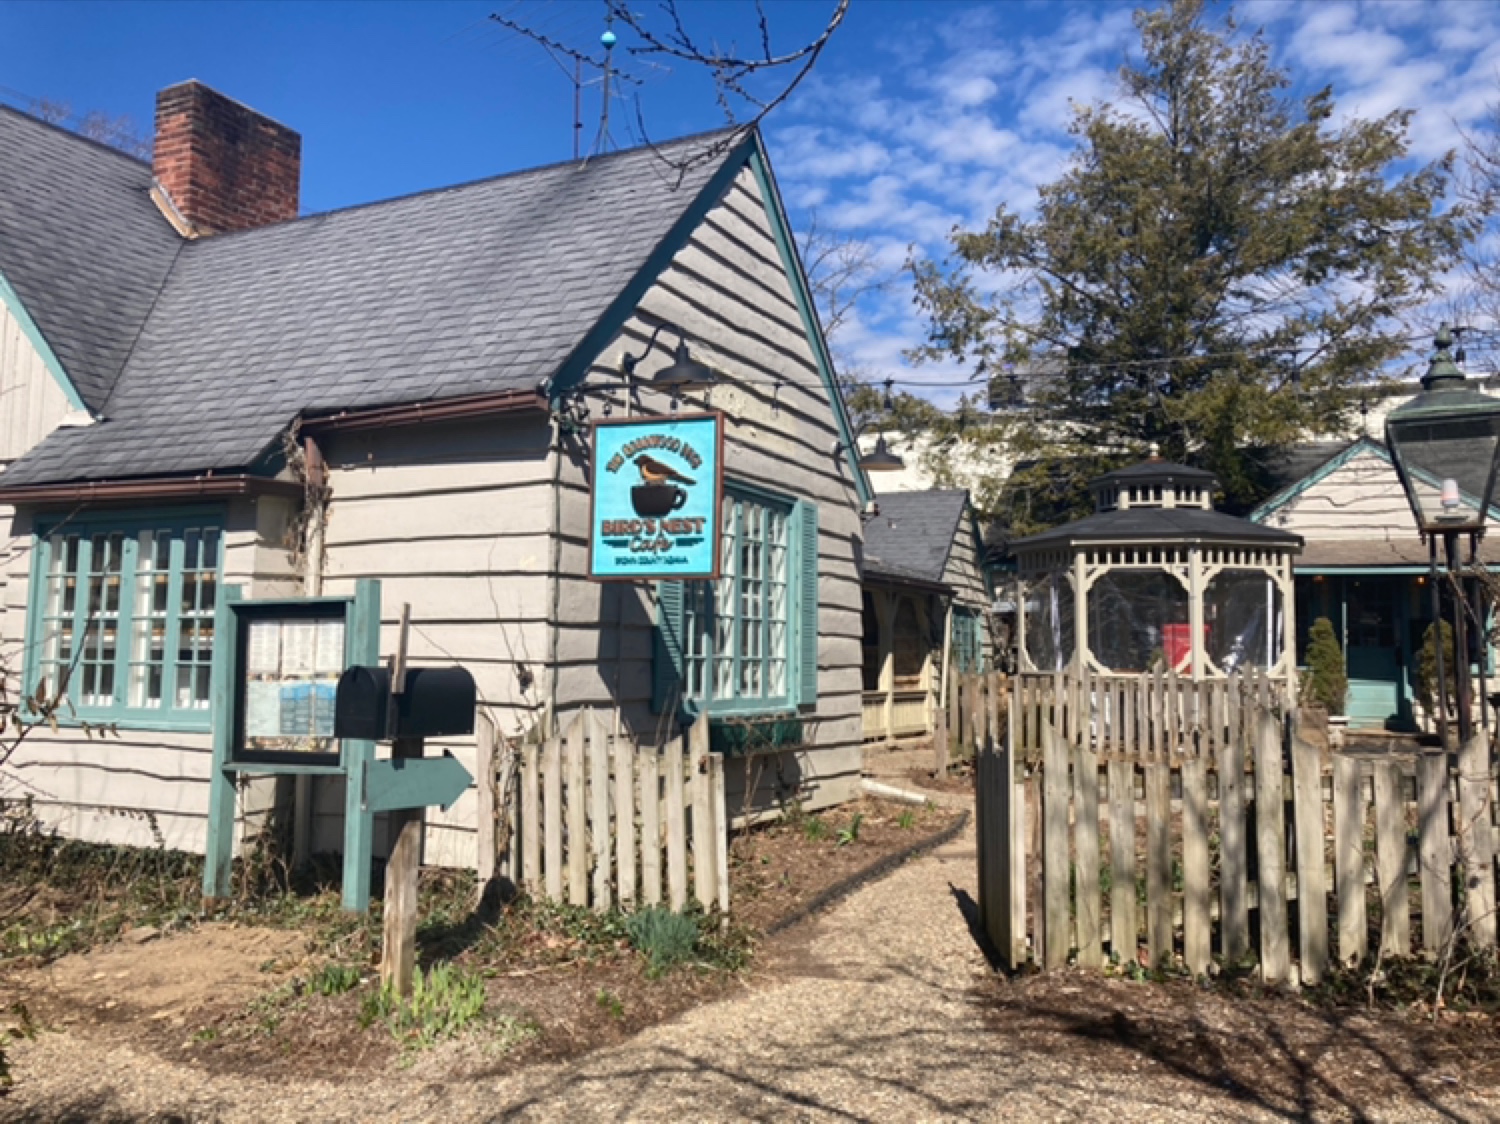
(967, 109)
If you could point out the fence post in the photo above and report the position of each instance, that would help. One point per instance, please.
(1391, 859)
(1270, 839)
(1158, 861)
(624, 764)
(1476, 839)
(489, 796)
(676, 822)
(599, 826)
(1124, 937)
(1055, 846)
(1349, 857)
(1234, 867)
(1312, 885)
(1086, 839)
(578, 811)
(1434, 851)
(1197, 949)
(552, 813)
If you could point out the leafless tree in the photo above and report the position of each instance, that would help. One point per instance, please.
(117, 132)
(841, 270)
(749, 83)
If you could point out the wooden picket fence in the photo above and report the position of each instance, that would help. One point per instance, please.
(1151, 818)
(968, 717)
(596, 820)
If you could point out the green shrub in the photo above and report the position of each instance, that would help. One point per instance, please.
(1327, 680)
(664, 938)
(1427, 677)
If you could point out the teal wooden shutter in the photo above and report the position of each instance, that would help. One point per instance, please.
(805, 638)
(666, 670)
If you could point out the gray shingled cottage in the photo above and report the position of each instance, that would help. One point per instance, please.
(199, 388)
(926, 608)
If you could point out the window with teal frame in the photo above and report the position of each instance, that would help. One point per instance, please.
(122, 618)
(746, 643)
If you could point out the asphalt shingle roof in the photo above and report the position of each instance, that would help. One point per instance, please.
(1154, 524)
(82, 244)
(485, 287)
(913, 533)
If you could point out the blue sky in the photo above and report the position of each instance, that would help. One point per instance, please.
(919, 115)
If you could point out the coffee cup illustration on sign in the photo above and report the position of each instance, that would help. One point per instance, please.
(657, 494)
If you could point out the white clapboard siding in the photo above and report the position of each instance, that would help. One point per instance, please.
(1360, 500)
(728, 290)
(31, 401)
(31, 405)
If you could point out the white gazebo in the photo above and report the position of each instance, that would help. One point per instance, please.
(1156, 580)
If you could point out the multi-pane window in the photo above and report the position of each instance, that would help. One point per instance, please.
(736, 630)
(127, 622)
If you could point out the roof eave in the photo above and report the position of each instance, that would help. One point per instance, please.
(90, 492)
(1281, 539)
(417, 413)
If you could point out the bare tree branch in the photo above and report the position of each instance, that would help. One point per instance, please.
(663, 34)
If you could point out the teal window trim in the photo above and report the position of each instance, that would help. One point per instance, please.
(12, 302)
(124, 531)
(690, 660)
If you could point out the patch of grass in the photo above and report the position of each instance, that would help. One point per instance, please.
(333, 978)
(850, 834)
(814, 829)
(610, 1003)
(666, 939)
(907, 820)
(446, 1000)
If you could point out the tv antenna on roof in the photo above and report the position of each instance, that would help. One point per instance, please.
(562, 55)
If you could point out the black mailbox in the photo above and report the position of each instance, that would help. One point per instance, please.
(438, 702)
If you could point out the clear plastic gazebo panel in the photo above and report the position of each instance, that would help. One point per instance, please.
(1050, 633)
(1242, 615)
(1140, 621)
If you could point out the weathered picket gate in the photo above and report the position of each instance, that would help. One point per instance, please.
(1151, 817)
(596, 820)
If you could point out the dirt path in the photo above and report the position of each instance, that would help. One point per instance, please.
(882, 1010)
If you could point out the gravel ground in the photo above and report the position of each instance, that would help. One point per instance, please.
(877, 1012)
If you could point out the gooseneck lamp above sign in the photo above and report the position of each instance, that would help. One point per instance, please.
(880, 459)
(1444, 443)
(683, 373)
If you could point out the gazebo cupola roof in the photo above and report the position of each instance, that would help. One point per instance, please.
(1157, 501)
(1154, 483)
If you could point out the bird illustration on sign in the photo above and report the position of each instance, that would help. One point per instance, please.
(657, 493)
(654, 472)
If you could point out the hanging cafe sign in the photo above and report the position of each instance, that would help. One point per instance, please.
(656, 486)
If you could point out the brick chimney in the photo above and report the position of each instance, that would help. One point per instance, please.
(220, 165)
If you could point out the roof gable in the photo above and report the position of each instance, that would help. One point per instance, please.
(912, 533)
(83, 248)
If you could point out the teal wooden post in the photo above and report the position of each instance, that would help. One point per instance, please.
(220, 844)
(362, 648)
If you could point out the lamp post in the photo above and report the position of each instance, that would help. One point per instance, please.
(1444, 443)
